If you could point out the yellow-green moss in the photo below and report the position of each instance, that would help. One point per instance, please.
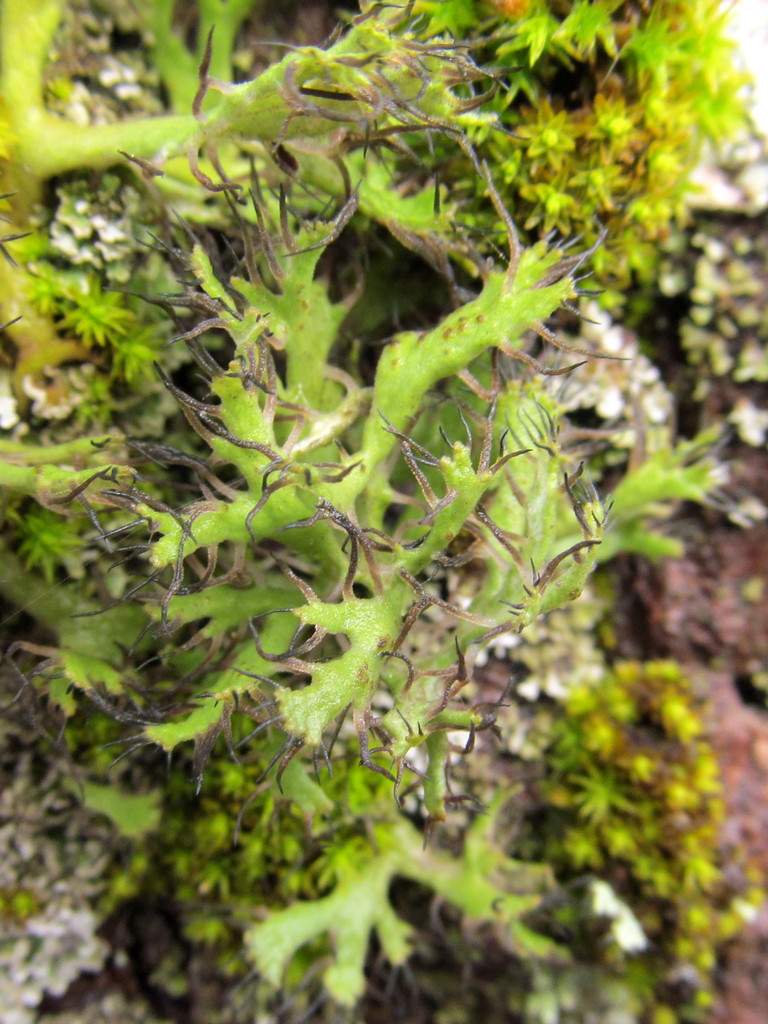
(636, 786)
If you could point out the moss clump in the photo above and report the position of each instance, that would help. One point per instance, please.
(639, 801)
(606, 106)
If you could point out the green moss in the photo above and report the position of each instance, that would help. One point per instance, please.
(606, 109)
(44, 540)
(639, 801)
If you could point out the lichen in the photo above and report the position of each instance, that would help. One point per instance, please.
(359, 502)
(51, 878)
(99, 229)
